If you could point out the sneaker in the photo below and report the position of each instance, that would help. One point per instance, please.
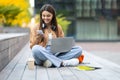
(71, 62)
(81, 58)
(47, 64)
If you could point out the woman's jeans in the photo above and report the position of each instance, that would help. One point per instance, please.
(42, 54)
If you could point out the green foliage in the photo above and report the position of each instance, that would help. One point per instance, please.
(63, 22)
(9, 12)
(14, 12)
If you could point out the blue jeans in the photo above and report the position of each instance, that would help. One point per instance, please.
(42, 54)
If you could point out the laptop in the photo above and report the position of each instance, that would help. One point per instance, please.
(60, 45)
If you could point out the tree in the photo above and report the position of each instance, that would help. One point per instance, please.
(15, 12)
(9, 12)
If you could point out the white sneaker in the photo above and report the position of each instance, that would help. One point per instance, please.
(47, 63)
(71, 62)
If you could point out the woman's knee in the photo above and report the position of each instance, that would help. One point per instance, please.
(38, 53)
(35, 50)
(79, 49)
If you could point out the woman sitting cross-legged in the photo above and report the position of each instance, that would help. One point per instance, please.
(40, 41)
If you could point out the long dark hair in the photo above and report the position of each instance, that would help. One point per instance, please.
(49, 8)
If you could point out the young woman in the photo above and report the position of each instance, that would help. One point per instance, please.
(40, 41)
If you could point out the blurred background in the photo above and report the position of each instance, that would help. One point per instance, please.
(85, 20)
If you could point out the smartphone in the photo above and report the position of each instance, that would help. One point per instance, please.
(40, 32)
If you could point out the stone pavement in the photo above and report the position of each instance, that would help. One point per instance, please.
(106, 50)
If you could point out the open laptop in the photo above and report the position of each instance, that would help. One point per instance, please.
(60, 45)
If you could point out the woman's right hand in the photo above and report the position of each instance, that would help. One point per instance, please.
(40, 32)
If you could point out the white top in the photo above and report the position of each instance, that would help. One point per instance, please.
(49, 38)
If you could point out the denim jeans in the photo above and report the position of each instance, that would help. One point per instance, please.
(42, 54)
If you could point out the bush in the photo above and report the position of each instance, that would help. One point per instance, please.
(63, 22)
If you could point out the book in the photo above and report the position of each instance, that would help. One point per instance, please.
(86, 68)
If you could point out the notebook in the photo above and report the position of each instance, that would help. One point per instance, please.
(60, 45)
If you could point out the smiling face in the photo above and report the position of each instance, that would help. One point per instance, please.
(47, 17)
